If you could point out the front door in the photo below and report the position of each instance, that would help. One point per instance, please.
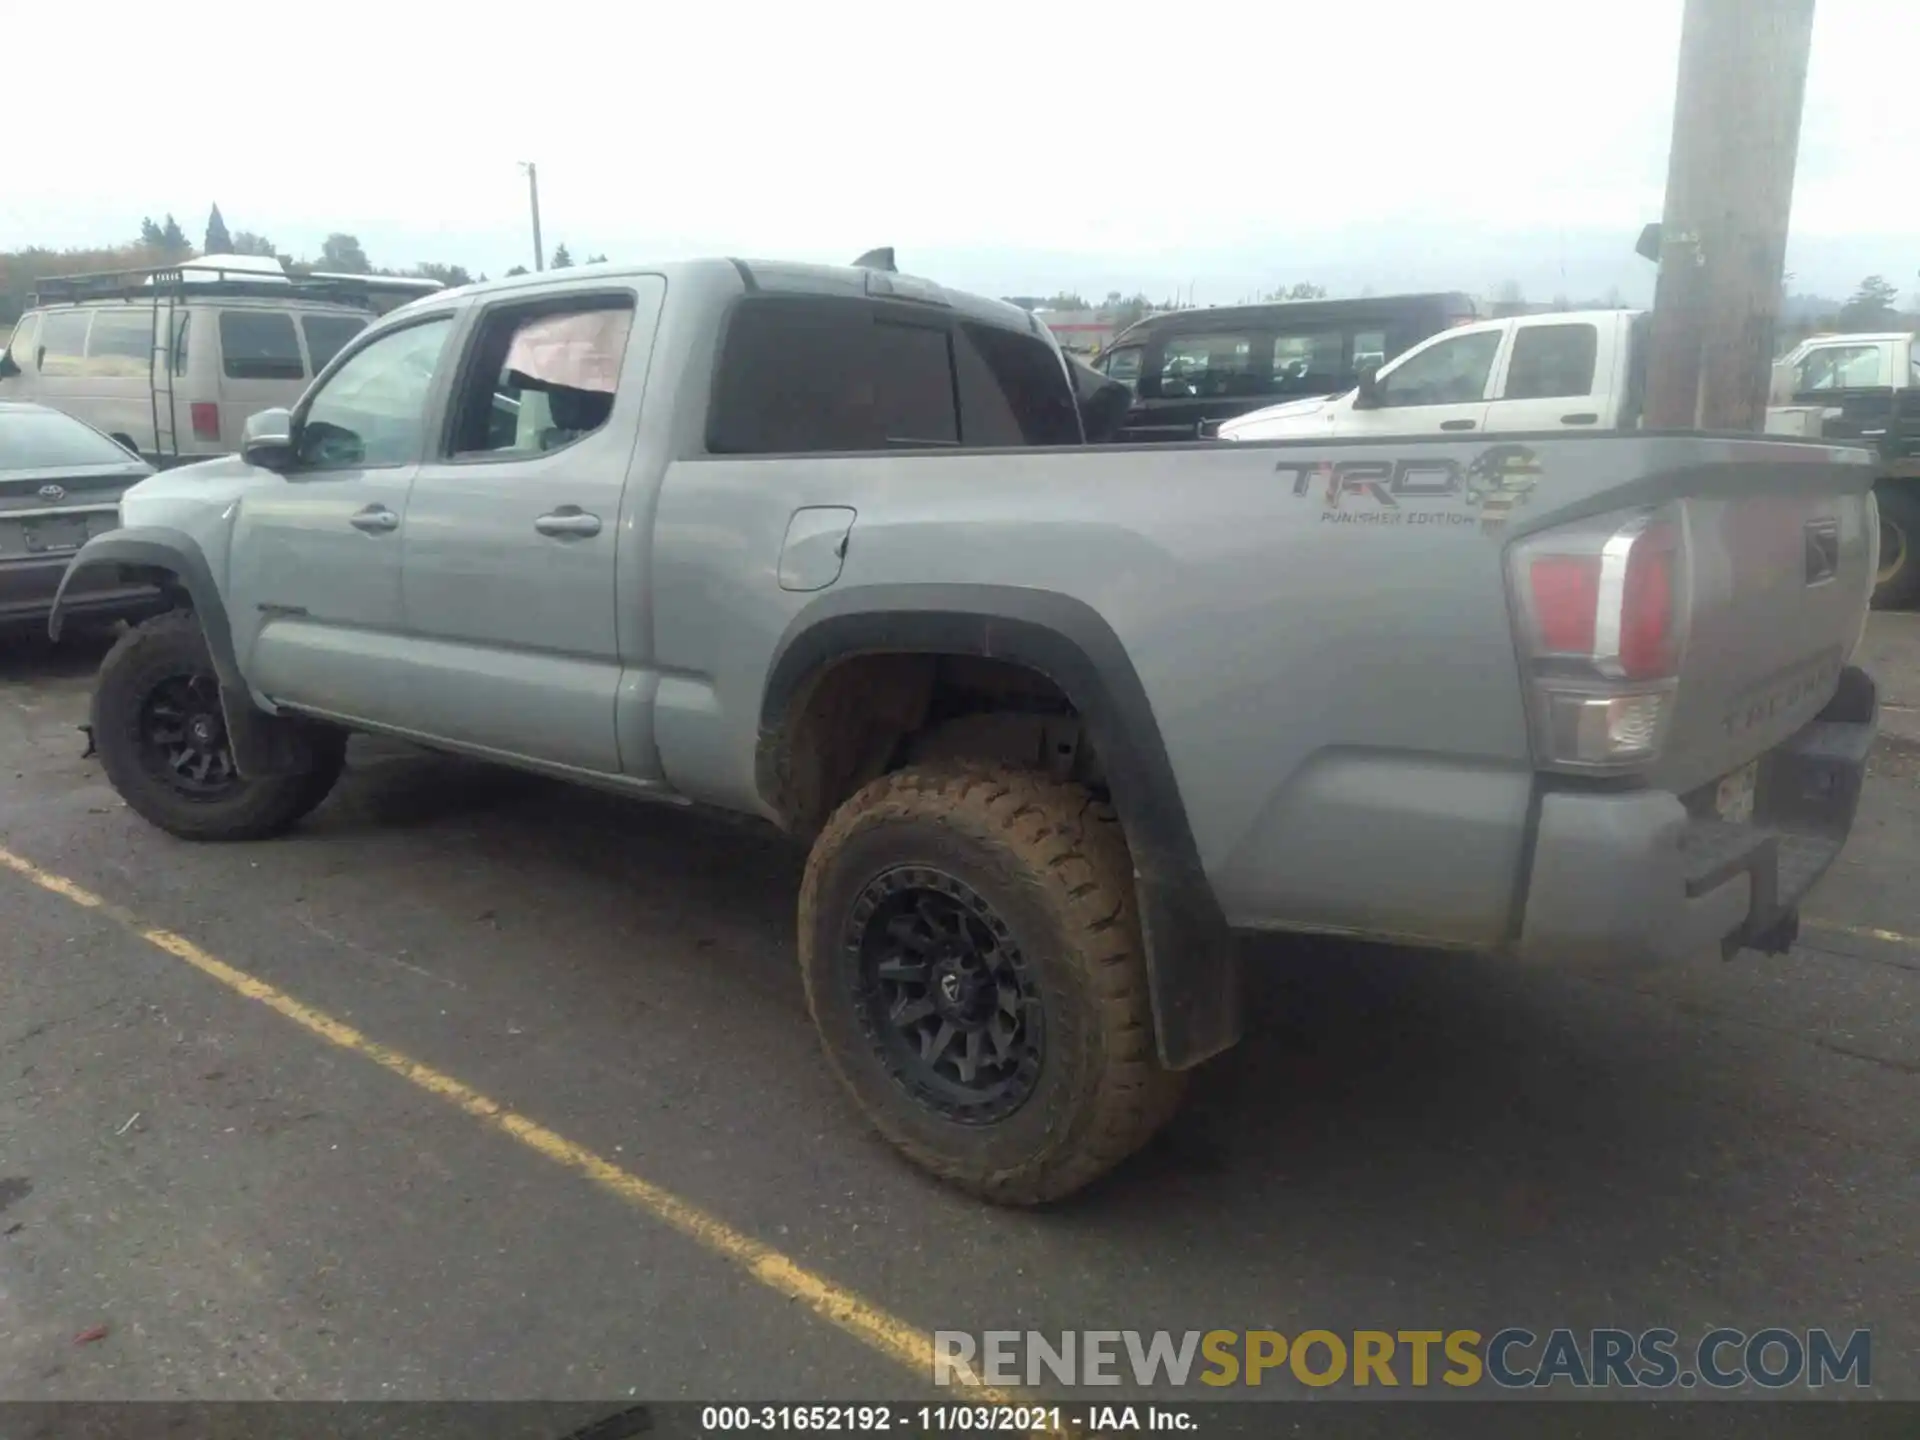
(1437, 389)
(515, 534)
(314, 586)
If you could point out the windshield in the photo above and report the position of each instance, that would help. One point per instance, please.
(35, 439)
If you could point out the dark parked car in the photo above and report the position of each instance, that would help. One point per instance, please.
(1191, 369)
(60, 485)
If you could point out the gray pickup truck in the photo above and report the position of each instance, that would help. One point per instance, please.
(1057, 719)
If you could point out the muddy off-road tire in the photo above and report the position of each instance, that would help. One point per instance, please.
(161, 737)
(972, 958)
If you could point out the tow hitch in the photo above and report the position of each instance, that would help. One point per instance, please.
(1777, 939)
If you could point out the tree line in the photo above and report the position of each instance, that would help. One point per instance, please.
(164, 242)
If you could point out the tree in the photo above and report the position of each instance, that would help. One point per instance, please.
(1872, 305)
(173, 239)
(245, 242)
(1297, 292)
(1509, 299)
(448, 275)
(516, 270)
(561, 259)
(341, 253)
(218, 241)
(150, 234)
(1124, 310)
(595, 260)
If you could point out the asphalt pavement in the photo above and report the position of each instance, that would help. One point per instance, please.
(479, 1086)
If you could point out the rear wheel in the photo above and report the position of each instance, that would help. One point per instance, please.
(972, 958)
(1897, 584)
(162, 738)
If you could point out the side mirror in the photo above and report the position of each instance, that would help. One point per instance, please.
(9, 367)
(1367, 395)
(267, 439)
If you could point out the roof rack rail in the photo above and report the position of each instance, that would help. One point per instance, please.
(217, 281)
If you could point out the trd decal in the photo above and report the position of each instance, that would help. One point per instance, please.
(1373, 492)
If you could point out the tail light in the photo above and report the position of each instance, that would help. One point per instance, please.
(1601, 617)
(206, 420)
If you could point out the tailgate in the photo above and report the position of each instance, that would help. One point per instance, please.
(1781, 541)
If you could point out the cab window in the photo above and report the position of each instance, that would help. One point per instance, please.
(1308, 363)
(26, 336)
(372, 411)
(1013, 389)
(1122, 366)
(1552, 361)
(121, 343)
(259, 345)
(541, 378)
(1842, 367)
(63, 342)
(327, 336)
(1450, 372)
(1207, 366)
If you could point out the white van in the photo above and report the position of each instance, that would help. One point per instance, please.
(1573, 370)
(171, 362)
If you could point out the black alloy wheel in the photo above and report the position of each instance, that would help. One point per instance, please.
(183, 736)
(948, 997)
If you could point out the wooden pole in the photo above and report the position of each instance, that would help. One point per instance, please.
(1736, 137)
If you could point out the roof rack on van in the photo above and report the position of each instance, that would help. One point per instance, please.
(261, 279)
(167, 289)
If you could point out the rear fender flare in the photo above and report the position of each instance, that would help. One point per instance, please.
(1192, 967)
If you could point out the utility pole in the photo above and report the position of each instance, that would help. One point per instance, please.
(533, 201)
(1723, 237)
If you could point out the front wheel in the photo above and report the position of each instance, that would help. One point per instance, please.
(162, 738)
(972, 958)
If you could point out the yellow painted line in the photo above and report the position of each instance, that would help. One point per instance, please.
(1864, 932)
(866, 1322)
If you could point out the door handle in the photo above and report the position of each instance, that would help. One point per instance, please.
(1585, 417)
(568, 520)
(1456, 424)
(375, 520)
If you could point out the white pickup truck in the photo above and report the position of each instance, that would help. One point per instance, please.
(1864, 390)
(1586, 371)
(1578, 370)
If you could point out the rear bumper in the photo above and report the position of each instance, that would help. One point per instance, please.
(1644, 875)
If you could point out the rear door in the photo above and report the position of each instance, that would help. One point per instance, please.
(514, 642)
(1441, 387)
(1555, 374)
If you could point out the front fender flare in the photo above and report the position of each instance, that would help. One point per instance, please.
(159, 547)
(262, 744)
(1192, 965)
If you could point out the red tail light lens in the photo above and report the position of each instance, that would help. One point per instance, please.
(1566, 598)
(1649, 647)
(206, 420)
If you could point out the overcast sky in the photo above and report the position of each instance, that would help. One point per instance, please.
(1004, 147)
